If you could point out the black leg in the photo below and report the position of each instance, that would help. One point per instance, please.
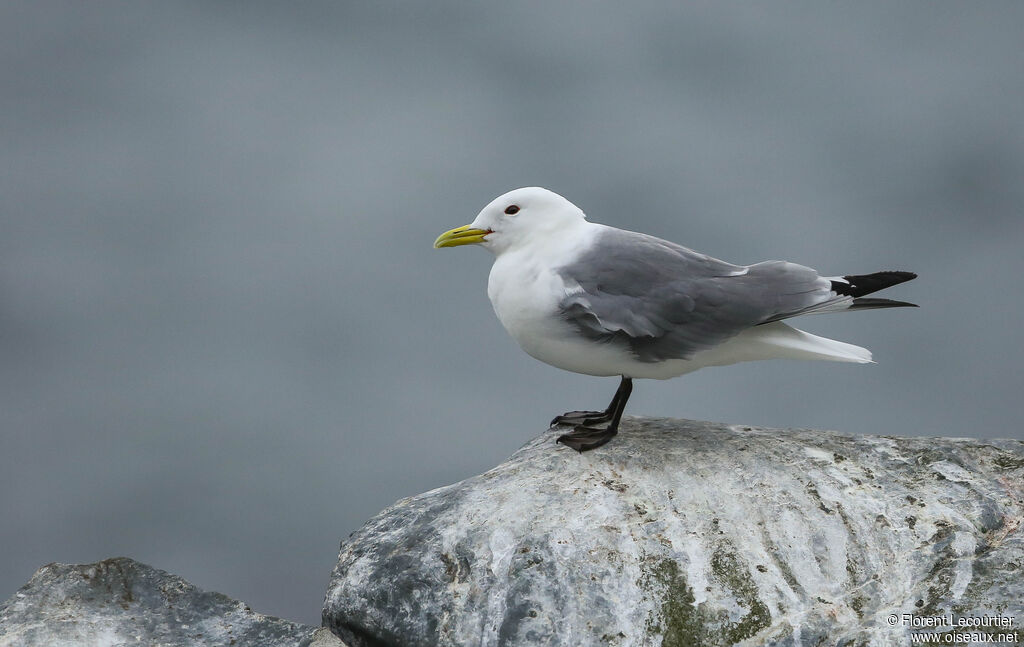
(575, 418)
(585, 437)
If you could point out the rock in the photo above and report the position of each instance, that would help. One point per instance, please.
(122, 602)
(686, 533)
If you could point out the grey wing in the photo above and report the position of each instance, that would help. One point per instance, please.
(663, 301)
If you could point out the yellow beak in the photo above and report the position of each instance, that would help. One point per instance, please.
(463, 235)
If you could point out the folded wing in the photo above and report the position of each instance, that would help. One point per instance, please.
(664, 301)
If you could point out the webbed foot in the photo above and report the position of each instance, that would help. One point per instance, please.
(580, 418)
(584, 438)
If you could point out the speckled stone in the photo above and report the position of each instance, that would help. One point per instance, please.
(120, 602)
(685, 533)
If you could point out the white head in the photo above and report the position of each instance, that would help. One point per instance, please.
(515, 218)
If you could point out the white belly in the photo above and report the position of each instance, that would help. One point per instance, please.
(526, 299)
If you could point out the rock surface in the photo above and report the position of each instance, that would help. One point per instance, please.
(122, 602)
(687, 533)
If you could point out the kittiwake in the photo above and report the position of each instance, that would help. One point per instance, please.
(597, 300)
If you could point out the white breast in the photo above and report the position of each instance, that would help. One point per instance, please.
(526, 290)
(525, 295)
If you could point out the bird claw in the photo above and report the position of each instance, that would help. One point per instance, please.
(584, 438)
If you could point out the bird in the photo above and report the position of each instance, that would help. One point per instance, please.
(597, 300)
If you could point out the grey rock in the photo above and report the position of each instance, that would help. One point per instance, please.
(691, 533)
(122, 602)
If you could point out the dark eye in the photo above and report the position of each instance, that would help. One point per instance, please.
(511, 209)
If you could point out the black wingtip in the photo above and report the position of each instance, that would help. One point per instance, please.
(863, 303)
(857, 285)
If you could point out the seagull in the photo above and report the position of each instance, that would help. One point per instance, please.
(597, 300)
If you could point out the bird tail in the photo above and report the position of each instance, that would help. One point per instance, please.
(787, 342)
(776, 340)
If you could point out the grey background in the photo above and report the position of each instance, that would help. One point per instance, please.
(226, 342)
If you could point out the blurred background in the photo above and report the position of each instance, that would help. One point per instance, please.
(226, 341)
